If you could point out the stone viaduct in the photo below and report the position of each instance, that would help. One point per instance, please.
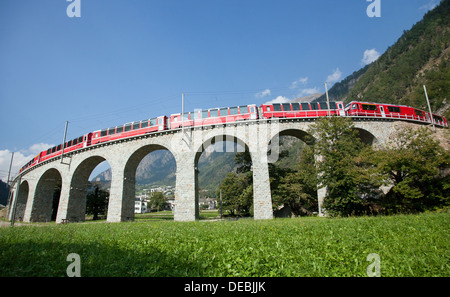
(259, 137)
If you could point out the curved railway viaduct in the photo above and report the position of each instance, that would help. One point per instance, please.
(259, 137)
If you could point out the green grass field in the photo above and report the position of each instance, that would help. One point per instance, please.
(408, 245)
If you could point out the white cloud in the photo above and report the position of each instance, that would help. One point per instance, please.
(370, 56)
(430, 5)
(298, 82)
(279, 99)
(20, 158)
(335, 76)
(262, 94)
(310, 91)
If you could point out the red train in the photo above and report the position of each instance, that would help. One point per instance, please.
(241, 113)
(401, 112)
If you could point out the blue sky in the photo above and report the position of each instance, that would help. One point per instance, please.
(130, 60)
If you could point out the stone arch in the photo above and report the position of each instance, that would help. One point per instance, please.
(242, 145)
(129, 178)
(301, 135)
(230, 144)
(298, 133)
(76, 206)
(22, 200)
(367, 137)
(47, 191)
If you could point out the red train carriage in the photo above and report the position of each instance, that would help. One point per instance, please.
(130, 130)
(402, 112)
(441, 121)
(381, 110)
(69, 146)
(31, 163)
(214, 116)
(302, 110)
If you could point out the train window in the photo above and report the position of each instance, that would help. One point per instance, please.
(437, 118)
(295, 106)
(153, 121)
(286, 107)
(305, 106)
(80, 139)
(144, 123)
(186, 116)
(104, 133)
(119, 129)
(224, 111)
(333, 105)
(371, 107)
(393, 108)
(204, 114)
(233, 110)
(59, 147)
(136, 125)
(243, 109)
(276, 107)
(354, 106)
(127, 127)
(196, 115)
(214, 112)
(73, 142)
(49, 151)
(314, 106)
(112, 131)
(268, 108)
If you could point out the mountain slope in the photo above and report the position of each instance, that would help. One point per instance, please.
(419, 57)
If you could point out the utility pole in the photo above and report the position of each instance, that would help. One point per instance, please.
(429, 108)
(182, 112)
(13, 214)
(328, 100)
(64, 141)
(9, 182)
(186, 138)
(10, 166)
(221, 209)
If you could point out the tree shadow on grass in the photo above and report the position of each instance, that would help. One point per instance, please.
(49, 259)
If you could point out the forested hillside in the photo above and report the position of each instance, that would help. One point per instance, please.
(4, 190)
(419, 57)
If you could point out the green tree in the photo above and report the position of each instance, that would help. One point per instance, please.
(157, 200)
(97, 202)
(237, 198)
(343, 166)
(298, 188)
(414, 165)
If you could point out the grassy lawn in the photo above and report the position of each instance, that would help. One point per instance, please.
(408, 245)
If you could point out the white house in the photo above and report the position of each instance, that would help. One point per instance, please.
(140, 206)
